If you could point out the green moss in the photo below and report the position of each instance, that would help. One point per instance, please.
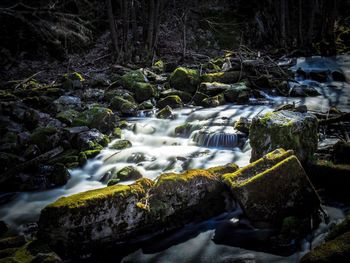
(113, 182)
(128, 173)
(224, 169)
(72, 80)
(184, 79)
(173, 101)
(92, 153)
(337, 250)
(7, 96)
(159, 66)
(130, 78)
(165, 113)
(173, 179)
(124, 106)
(117, 133)
(89, 197)
(67, 116)
(121, 144)
(257, 168)
(97, 117)
(143, 91)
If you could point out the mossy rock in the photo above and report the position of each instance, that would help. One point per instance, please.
(121, 144)
(45, 138)
(72, 80)
(112, 182)
(284, 129)
(144, 91)
(213, 88)
(67, 116)
(257, 188)
(91, 140)
(146, 105)
(97, 117)
(165, 113)
(228, 77)
(173, 101)
(117, 132)
(237, 93)
(199, 97)
(124, 106)
(336, 250)
(184, 79)
(130, 78)
(159, 66)
(213, 101)
(127, 173)
(242, 125)
(340, 229)
(184, 96)
(341, 153)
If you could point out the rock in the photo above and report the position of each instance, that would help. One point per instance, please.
(59, 175)
(13, 241)
(140, 157)
(184, 96)
(93, 94)
(213, 101)
(136, 82)
(199, 97)
(8, 161)
(184, 79)
(91, 140)
(121, 144)
(213, 88)
(165, 113)
(228, 77)
(173, 101)
(258, 187)
(337, 250)
(45, 138)
(124, 106)
(340, 229)
(82, 221)
(237, 93)
(242, 125)
(97, 117)
(159, 66)
(72, 81)
(86, 221)
(67, 102)
(284, 129)
(341, 153)
(146, 105)
(127, 173)
(3, 228)
(67, 116)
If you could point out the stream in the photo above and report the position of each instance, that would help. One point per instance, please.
(208, 141)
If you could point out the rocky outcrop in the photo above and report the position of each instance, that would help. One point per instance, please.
(273, 188)
(284, 129)
(86, 220)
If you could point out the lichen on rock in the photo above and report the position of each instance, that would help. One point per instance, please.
(284, 129)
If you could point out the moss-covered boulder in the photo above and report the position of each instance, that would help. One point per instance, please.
(125, 107)
(83, 221)
(228, 77)
(91, 140)
(337, 250)
(165, 113)
(184, 96)
(72, 80)
(127, 173)
(184, 79)
(173, 101)
(136, 82)
(121, 144)
(242, 125)
(284, 129)
(97, 117)
(258, 187)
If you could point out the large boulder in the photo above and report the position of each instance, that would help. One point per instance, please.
(173, 101)
(273, 188)
(185, 79)
(84, 221)
(284, 129)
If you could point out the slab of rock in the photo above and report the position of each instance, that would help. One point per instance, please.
(284, 129)
(273, 188)
(84, 221)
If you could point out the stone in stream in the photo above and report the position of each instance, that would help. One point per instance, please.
(184, 79)
(125, 174)
(284, 129)
(121, 144)
(237, 93)
(88, 220)
(213, 101)
(273, 188)
(165, 113)
(125, 107)
(173, 101)
(213, 88)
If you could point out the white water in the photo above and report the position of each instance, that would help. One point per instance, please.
(156, 149)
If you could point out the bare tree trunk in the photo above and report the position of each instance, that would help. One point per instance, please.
(150, 31)
(112, 26)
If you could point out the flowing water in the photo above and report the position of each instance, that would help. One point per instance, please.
(208, 140)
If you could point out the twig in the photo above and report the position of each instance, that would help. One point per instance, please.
(26, 80)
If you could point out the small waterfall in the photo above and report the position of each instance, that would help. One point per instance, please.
(217, 136)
